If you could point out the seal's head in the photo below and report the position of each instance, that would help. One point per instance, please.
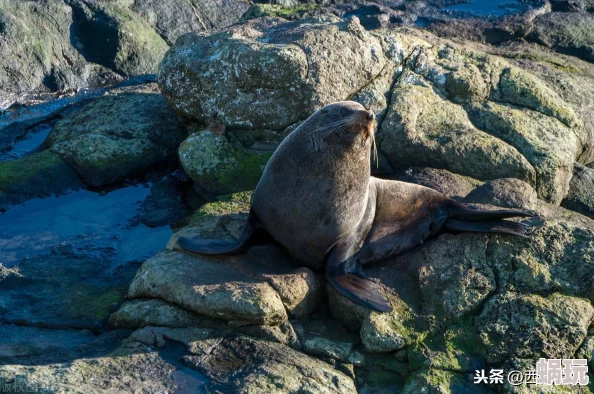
(345, 123)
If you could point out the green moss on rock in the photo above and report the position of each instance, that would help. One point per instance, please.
(38, 175)
(217, 166)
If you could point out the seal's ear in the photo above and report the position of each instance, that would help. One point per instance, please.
(354, 284)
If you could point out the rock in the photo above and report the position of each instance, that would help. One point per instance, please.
(39, 33)
(451, 285)
(445, 113)
(347, 313)
(178, 17)
(110, 34)
(457, 348)
(283, 333)
(549, 145)
(531, 326)
(326, 338)
(260, 366)
(38, 175)
(557, 256)
(382, 372)
(423, 129)
(452, 185)
(506, 192)
(219, 167)
(278, 72)
(571, 79)
(581, 191)
(66, 45)
(123, 370)
(437, 381)
(164, 205)
(568, 33)
(587, 349)
(117, 136)
(572, 5)
(386, 332)
(155, 312)
(299, 288)
(208, 287)
(67, 288)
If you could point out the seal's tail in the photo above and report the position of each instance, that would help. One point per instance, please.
(464, 218)
(213, 247)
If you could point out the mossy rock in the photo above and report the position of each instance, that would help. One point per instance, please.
(112, 35)
(118, 136)
(219, 167)
(38, 175)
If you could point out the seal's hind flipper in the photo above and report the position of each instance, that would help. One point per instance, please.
(353, 283)
(213, 247)
(491, 226)
(462, 212)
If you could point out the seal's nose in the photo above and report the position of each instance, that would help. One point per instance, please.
(370, 116)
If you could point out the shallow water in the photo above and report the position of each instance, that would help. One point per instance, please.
(81, 218)
(190, 381)
(30, 144)
(488, 7)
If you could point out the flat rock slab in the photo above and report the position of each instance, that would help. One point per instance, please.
(242, 364)
(33, 345)
(122, 371)
(208, 287)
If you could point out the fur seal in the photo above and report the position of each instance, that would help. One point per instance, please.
(316, 199)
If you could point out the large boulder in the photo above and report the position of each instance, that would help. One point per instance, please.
(39, 33)
(69, 44)
(123, 134)
(566, 32)
(276, 73)
(111, 34)
(175, 18)
(476, 115)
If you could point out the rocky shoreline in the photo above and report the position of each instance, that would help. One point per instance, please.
(96, 186)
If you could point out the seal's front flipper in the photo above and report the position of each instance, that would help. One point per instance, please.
(213, 247)
(362, 291)
(354, 284)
